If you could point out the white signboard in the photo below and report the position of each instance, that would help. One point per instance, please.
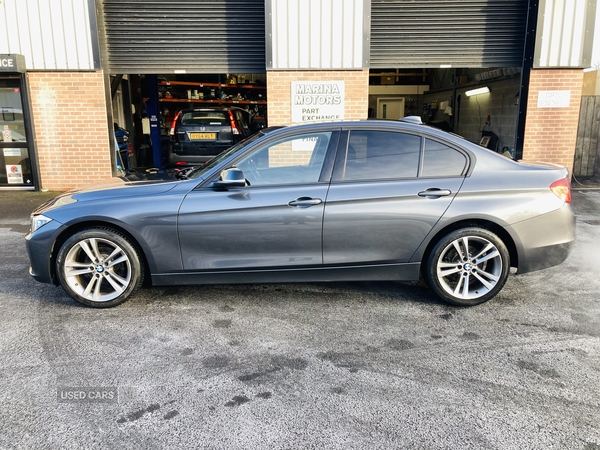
(554, 99)
(12, 152)
(14, 174)
(317, 101)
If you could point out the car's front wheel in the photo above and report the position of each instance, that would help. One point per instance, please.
(99, 267)
(468, 266)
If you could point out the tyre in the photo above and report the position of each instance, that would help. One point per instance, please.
(467, 267)
(99, 267)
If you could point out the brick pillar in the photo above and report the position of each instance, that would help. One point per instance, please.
(551, 133)
(279, 85)
(71, 129)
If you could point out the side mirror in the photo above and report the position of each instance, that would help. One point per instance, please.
(231, 178)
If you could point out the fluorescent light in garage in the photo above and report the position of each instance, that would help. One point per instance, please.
(481, 90)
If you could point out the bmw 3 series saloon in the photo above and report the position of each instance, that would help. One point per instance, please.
(364, 200)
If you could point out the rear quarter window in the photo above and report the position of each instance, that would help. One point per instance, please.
(442, 161)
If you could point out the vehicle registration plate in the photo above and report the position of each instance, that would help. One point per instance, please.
(200, 136)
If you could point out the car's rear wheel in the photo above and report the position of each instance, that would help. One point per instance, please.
(468, 266)
(99, 267)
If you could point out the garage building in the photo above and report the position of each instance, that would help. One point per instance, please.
(504, 73)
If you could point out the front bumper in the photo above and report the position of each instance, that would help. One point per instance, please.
(40, 248)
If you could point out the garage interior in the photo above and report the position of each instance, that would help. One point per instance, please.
(132, 108)
(479, 104)
(426, 58)
(441, 97)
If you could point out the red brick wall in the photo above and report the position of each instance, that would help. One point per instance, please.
(551, 133)
(279, 84)
(71, 128)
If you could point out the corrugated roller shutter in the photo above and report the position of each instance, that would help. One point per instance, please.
(152, 36)
(463, 33)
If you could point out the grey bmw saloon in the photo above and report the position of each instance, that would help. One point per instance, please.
(364, 200)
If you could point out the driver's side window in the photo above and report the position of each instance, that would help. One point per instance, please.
(292, 160)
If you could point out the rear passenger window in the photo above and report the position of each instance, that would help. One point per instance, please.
(442, 161)
(377, 155)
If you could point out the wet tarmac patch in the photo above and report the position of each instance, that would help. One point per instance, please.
(216, 362)
(528, 365)
(171, 414)
(264, 395)
(341, 360)
(238, 400)
(226, 308)
(133, 416)
(222, 323)
(399, 344)
(469, 336)
(289, 363)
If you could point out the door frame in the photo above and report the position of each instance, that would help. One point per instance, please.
(30, 145)
(387, 99)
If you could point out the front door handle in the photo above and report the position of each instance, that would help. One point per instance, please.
(305, 202)
(434, 193)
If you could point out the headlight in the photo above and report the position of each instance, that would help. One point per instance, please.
(39, 221)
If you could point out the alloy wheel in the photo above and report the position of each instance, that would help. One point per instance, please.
(97, 269)
(469, 267)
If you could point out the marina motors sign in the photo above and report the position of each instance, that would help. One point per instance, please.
(317, 101)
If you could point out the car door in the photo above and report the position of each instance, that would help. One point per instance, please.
(386, 195)
(273, 222)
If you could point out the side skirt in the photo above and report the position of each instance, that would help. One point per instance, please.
(383, 272)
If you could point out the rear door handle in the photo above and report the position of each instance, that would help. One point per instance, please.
(305, 202)
(434, 193)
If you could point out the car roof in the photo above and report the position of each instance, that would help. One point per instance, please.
(382, 124)
(361, 124)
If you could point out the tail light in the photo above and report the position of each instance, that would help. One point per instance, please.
(234, 128)
(562, 189)
(172, 132)
(181, 163)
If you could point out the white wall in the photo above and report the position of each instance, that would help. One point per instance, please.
(51, 34)
(317, 34)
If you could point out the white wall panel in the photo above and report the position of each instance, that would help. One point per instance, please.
(565, 32)
(337, 28)
(317, 34)
(51, 34)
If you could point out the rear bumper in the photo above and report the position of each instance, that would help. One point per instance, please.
(544, 241)
(194, 153)
(188, 160)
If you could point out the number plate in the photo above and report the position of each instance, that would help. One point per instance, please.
(202, 136)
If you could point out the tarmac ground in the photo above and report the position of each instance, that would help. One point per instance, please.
(332, 365)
